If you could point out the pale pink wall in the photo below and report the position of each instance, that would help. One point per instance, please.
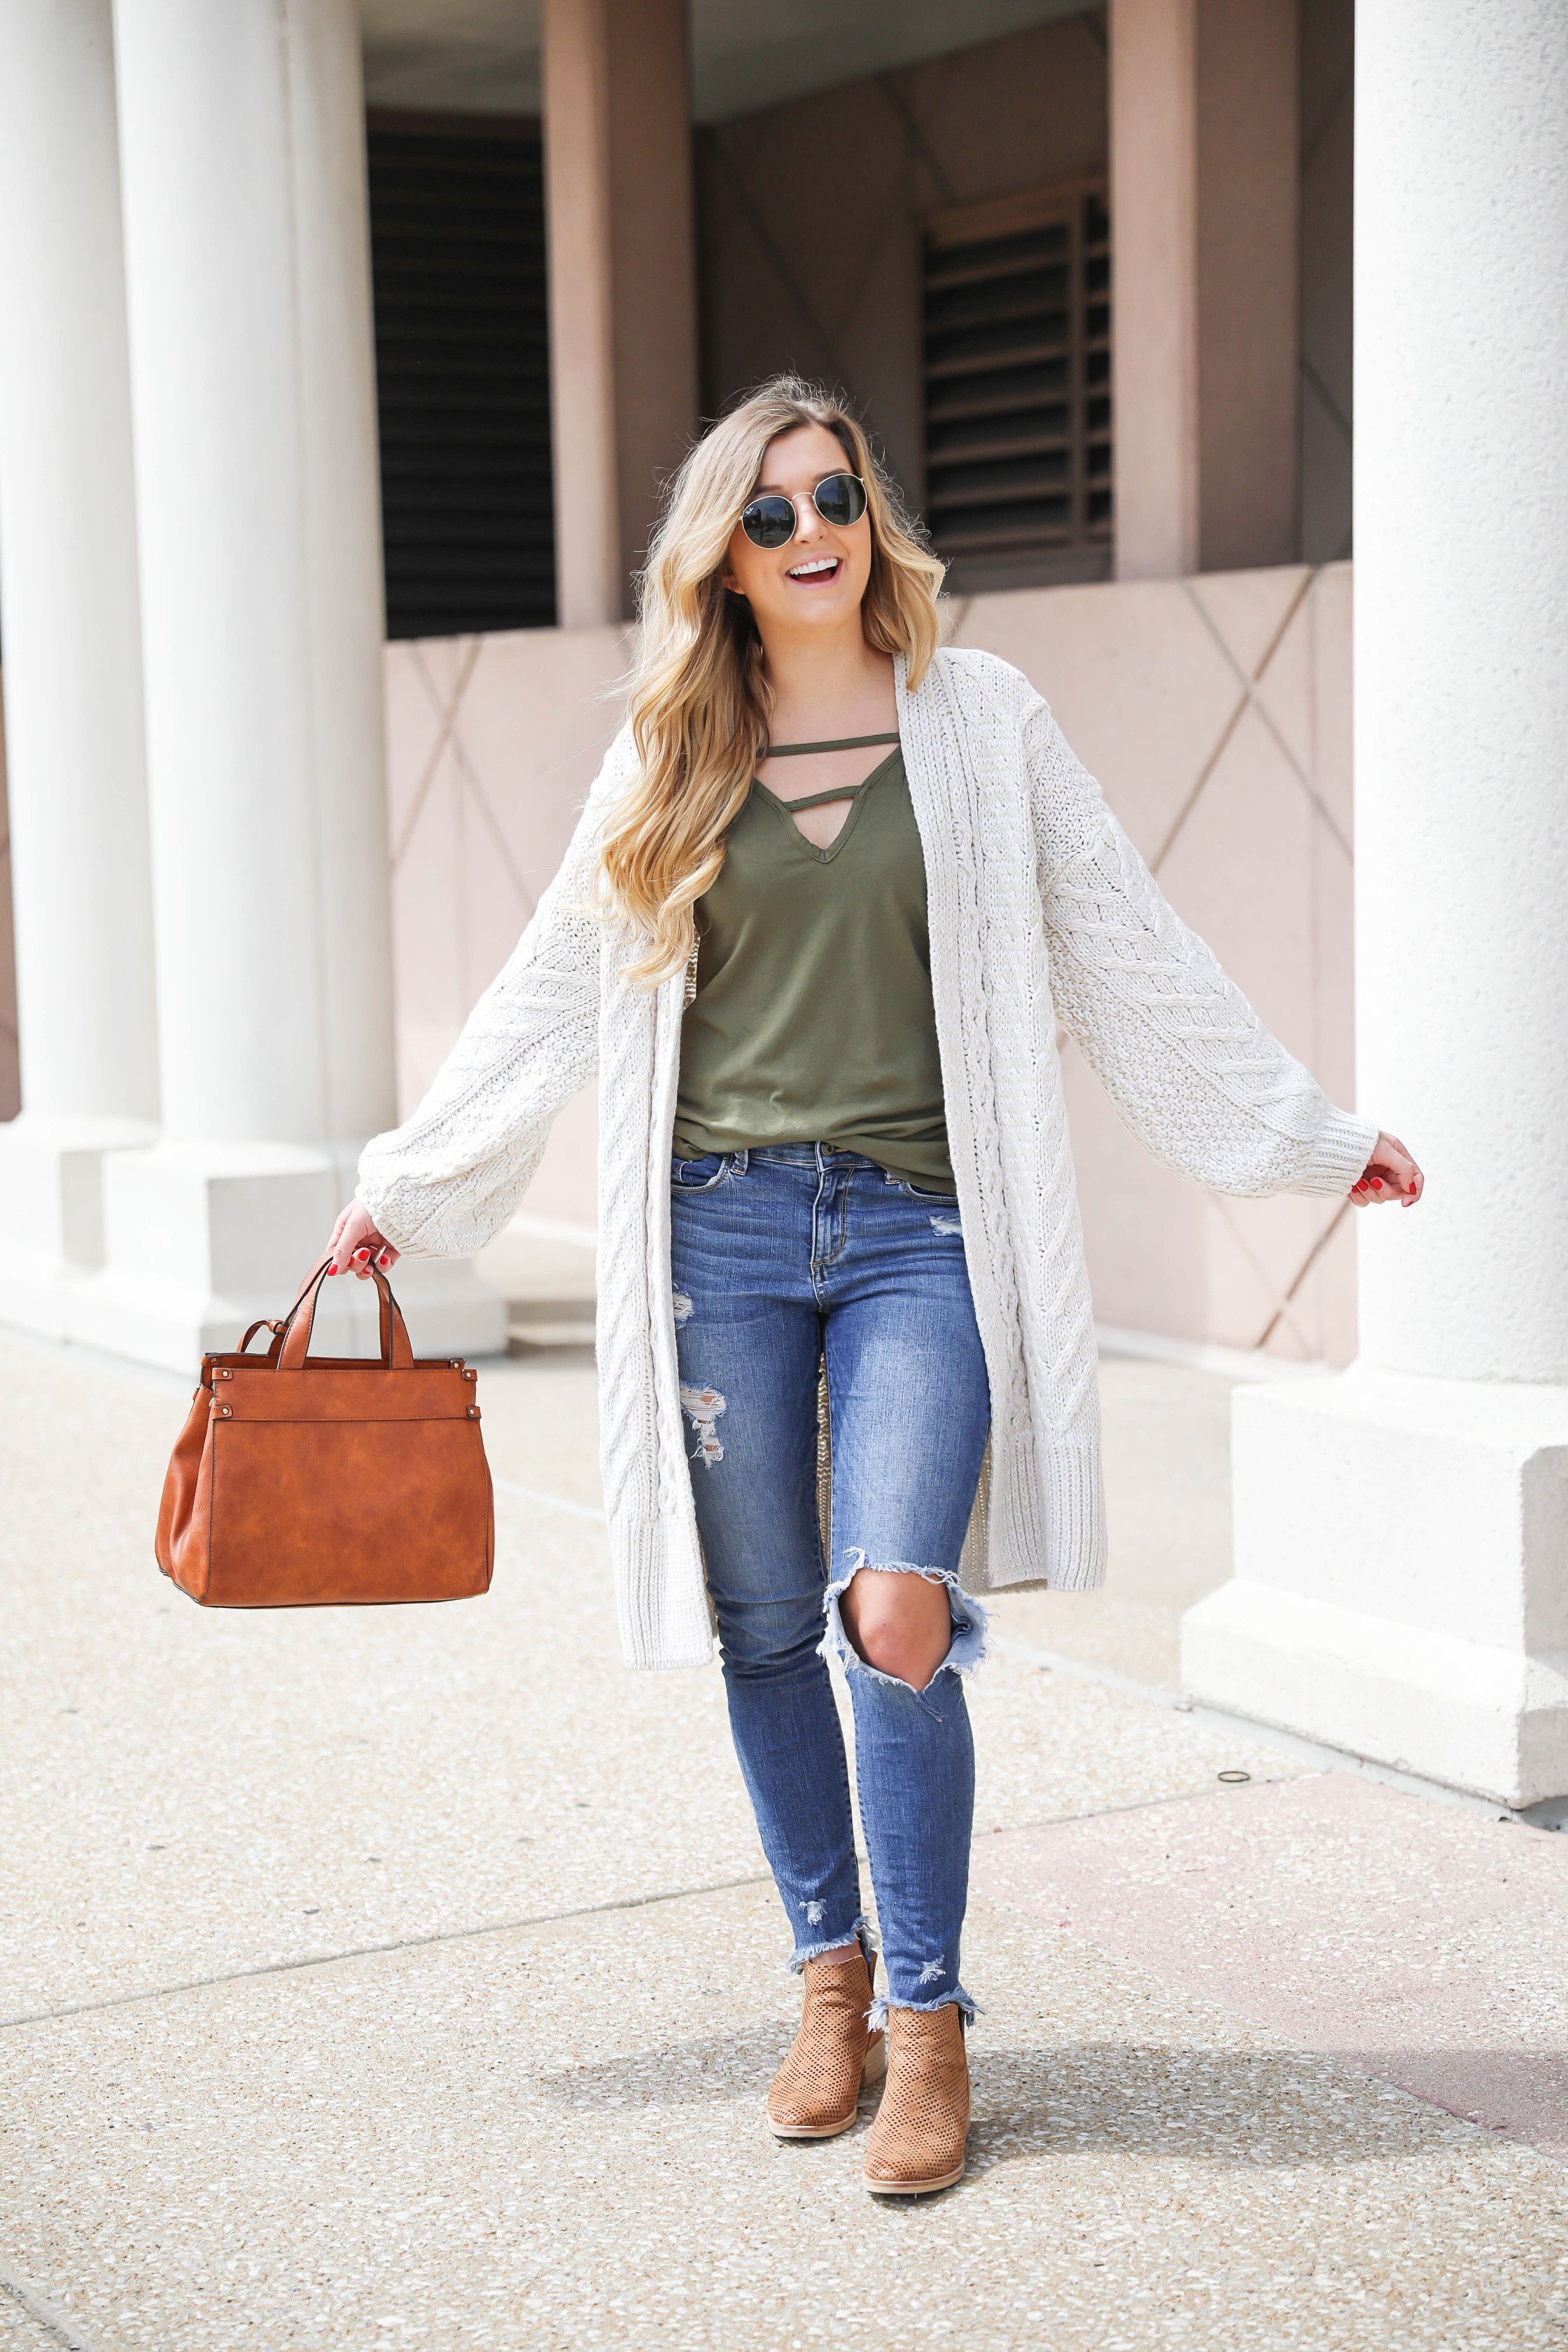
(492, 743)
(1215, 713)
(823, 198)
(791, 273)
(1205, 216)
(623, 286)
(1248, 270)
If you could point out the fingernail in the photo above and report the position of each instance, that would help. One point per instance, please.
(362, 1257)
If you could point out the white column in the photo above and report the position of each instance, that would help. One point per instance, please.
(247, 272)
(77, 788)
(1402, 1536)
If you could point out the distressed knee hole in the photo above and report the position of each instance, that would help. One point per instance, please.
(681, 1306)
(966, 1619)
(702, 1407)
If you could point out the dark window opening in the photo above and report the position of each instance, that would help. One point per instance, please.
(1017, 385)
(462, 363)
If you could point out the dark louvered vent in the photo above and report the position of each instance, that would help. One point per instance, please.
(1017, 378)
(463, 379)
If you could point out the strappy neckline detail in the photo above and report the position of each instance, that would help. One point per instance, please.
(845, 743)
(856, 794)
(840, 791)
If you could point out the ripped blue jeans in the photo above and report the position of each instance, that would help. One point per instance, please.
(782, 1258)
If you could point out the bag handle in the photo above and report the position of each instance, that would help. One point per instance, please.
(397, 1352)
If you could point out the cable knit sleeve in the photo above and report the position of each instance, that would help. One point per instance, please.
(447, 1180)
(1187, 1062)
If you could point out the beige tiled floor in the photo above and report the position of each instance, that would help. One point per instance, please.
(232, 2124)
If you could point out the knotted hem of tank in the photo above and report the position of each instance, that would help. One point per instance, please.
(970, 1620)
(861, 1935)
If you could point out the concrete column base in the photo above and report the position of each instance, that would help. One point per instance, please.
(200, 1240)
(51, 1212)
(1400, 1548)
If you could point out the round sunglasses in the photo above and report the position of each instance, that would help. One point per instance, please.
(772, 520)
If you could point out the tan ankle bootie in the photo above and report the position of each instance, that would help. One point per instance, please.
(917, 2141)
(815, 2089)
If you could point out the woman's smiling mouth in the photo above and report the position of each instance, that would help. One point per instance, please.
(818, 571)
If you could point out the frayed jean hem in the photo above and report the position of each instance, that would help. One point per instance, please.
(970, 1620)
(877, 2015)
(860, 1934)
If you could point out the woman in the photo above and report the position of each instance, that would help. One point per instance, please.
(831, 894)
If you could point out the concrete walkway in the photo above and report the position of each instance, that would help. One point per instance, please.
(378, 1977)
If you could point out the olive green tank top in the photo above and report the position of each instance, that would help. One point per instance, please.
(813, 1020)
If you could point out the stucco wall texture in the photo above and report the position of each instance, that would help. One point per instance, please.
(1462, 720)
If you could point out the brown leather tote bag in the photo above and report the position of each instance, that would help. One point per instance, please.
(303, 1482)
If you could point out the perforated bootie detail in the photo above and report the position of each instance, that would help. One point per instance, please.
(917, 2141)
(814, 2091)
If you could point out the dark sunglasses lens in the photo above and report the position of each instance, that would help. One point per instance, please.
(769, 522)
(840, 500)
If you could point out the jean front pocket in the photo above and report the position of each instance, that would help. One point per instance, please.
(938, 1200)
(700, 1175)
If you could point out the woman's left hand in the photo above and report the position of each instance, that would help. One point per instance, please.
(1390, 1174)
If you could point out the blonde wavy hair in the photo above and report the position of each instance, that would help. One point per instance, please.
(699, 702)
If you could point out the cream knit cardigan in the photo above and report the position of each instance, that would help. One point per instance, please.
(1041, 912)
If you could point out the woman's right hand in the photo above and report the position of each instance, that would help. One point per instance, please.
(355, 1243)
